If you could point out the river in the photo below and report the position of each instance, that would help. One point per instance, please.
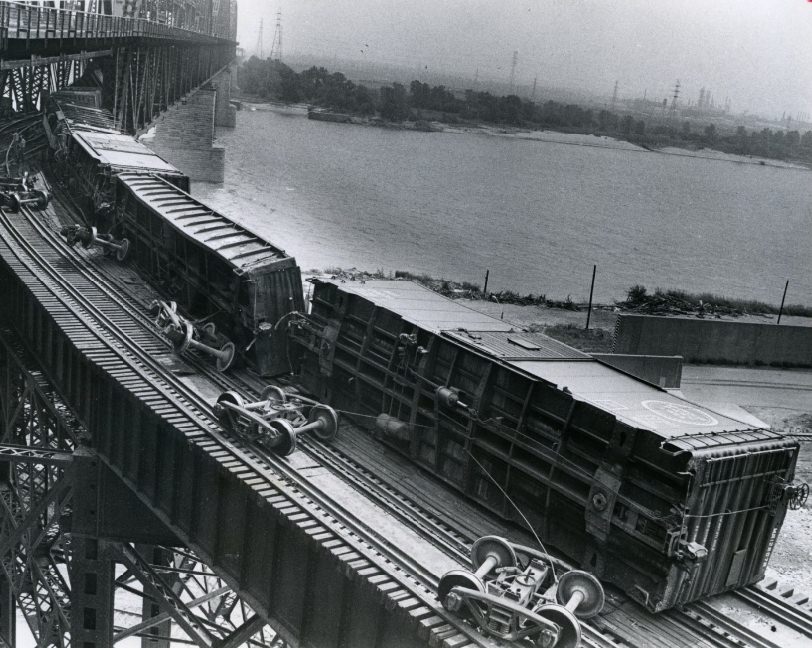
(536, 214)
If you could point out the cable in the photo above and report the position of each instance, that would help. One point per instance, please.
(519, 511)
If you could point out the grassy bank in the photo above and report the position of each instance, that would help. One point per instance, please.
(681, 302)
(638, 299)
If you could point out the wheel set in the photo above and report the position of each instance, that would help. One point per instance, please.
(521, 600)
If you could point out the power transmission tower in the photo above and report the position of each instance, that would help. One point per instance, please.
(513, 72)
(674, 99)
(259, 38)
(276, 47)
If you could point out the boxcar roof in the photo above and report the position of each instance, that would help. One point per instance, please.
(513, 345)
(633, 401)
(238, 246)
(421, 306)
(86, 117)
(119, 150)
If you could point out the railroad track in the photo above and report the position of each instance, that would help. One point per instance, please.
(113, 328)
(699, 619)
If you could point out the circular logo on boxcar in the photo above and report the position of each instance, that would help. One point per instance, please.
(679, 413)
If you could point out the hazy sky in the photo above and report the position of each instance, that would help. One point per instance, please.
(757, 52)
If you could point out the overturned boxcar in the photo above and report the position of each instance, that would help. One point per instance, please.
(218, 271)
(666, 499)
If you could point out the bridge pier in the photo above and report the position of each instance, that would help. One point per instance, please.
(225, 115)
(184, 135)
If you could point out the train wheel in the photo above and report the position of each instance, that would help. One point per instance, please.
(274, 393)
(227, 416)
(457, 578)
(284, 442)
(495, 546)
(43, 198)
(121, 253)
(329, 422)
(570, 635)
(585, 584)
(225, 357)
(180, 342)
(88, 241)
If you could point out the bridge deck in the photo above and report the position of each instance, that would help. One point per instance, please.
(27, 23)
(298, 557)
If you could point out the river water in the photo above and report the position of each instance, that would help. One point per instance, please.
(536, 214)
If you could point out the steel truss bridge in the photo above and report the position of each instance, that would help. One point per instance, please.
(125, 512)
(144, 60)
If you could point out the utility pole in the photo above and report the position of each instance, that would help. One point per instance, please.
(533, 96)
(513, 72)
(614, 98)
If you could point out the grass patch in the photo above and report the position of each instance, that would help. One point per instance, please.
(683, 302)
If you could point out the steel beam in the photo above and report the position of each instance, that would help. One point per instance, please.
(156, 587)
(8, 608)
(40, 456)
(36, 61)
(39, 487)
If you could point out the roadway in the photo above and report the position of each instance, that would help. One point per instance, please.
(773, 395)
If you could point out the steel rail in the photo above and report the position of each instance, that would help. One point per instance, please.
(454, 543)
(397, 565)
(791, 615)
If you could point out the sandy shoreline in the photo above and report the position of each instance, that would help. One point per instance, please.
(543, 135)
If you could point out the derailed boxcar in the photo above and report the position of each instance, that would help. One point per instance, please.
(89, 152)
(215, 269)
(666, 499)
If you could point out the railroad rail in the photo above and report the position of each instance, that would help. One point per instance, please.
(696, 623)
(104, 331)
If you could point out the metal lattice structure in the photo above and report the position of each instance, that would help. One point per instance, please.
(145, 59)
(63, 569)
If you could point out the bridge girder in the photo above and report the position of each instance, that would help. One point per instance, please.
(60, 565)
(149, 79)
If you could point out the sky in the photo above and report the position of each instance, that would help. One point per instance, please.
(756, 52)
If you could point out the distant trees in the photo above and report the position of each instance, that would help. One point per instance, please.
(396, 102)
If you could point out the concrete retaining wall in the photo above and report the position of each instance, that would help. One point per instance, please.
(714, 341)
(663, 371)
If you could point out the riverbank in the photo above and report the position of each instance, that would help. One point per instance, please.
(569, 138)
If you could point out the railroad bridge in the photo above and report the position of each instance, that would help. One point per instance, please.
(127, 514)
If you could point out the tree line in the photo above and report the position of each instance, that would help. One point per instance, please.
(396, 103)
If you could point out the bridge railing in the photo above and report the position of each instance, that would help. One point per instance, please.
(31, 22)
